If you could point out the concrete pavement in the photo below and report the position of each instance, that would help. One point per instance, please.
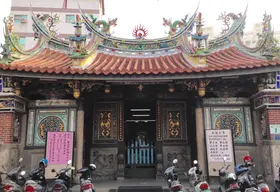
(112, 186)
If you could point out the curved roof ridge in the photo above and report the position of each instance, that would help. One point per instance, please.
(236, 28)
(92, 28)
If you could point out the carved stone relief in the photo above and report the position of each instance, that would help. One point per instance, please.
(275, 156)
(174, 121)
(105, 122)
(267, 160)
(181, 153)
(8, 157)
(263, 125)
(105, 160)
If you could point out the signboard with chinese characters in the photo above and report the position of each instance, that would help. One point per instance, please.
(59, 149)
(275, 131)
(219, 145)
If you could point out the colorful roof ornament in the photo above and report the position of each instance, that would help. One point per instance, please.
(77, 42)
(140, 32)
(49, 20)
(173, 26)
(199, 41)
(106, 25)
(226, 18)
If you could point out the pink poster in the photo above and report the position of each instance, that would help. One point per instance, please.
(59, 147)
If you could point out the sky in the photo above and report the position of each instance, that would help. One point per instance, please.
(149, 13)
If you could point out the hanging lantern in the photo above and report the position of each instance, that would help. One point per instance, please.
(107, 89)
(201, 91)
(171, 88)
(76, 93)
(17, 91)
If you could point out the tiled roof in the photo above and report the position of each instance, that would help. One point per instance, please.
(50, 61)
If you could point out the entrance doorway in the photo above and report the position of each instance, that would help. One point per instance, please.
(140, 139)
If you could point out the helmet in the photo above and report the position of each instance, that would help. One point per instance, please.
(240, 169)
(231, 176)
(44, 161)
(92, 167)
(247, 159)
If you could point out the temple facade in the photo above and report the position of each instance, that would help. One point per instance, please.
(157, 96)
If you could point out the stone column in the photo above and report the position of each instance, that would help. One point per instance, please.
(11, 108)
(80, 135)
(200, 139)
(267, 104)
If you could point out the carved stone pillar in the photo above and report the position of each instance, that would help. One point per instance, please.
(121, 144)
(80, 135)
(200, 139)
(267, 105)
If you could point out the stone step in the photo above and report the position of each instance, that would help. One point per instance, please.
(140, 189)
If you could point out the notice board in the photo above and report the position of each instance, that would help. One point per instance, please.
(219, 144)
(59, 149)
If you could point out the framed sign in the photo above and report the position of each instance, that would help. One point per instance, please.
(219, 144)
(59, 149)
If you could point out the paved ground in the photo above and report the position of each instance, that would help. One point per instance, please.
(112, 186)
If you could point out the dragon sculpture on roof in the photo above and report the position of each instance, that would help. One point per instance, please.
(173, 26)
(106, 25)
(226, 18)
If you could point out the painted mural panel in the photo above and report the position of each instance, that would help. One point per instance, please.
(49, 120)
(230, 118)
(105, 122)
(174, 121)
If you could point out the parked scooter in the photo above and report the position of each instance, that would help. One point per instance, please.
(194, 173)
(85, 179)
(63, 180)
(172, 178)
(261, 184)
(38, 181)
(277, 179)
(244, 177)
(228, 181)
(14, 181)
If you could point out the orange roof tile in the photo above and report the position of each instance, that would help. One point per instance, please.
(49, 61)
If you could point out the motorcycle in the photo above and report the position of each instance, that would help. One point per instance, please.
(277, 179)
(37, 182)
(63, 180)
(14, 181)
(244, 177)
(194, 174)
(228, 181)
(172, 178)
(261, 184)
(85, 179)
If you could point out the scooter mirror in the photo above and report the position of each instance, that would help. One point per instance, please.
(195, 162)
(22, 173)
(53, 171)
(175, 161)
(73, 168)
(69, 162)
(20, 160)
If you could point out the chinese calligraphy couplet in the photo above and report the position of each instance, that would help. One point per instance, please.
(219, 145)
(59, 147)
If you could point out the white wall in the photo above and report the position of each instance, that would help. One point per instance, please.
(63, 28)
(71, 4)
